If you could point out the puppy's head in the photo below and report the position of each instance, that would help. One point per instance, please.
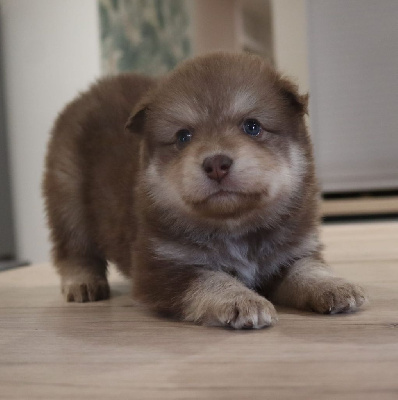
(223, 141)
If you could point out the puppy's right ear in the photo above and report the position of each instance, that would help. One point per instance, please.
(290, 92)
(136, 121)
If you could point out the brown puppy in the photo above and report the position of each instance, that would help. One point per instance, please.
(207, 197)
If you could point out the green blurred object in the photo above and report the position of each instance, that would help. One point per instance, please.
(148, 36)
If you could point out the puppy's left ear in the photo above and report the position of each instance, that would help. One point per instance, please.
(137, 120)
(290, 92)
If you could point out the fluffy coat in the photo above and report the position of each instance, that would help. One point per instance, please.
(203, 239)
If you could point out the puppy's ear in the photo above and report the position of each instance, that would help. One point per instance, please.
(290, 92)
(137, 120)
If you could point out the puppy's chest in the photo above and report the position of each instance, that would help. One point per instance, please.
(238, 258)
(243, 259)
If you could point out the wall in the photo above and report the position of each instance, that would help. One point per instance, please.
(7, 239)
(290, 40)
(354, 93)
(214, 26)
(51, 51)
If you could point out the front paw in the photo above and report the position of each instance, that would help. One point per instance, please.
(236, 309)
(335, 295)
(246, 312)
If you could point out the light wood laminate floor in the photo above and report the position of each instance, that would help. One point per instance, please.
(116, 350)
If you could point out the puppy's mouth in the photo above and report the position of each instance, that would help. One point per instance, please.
(223, 195)
(230, 204)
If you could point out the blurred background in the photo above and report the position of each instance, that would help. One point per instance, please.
(344, 52)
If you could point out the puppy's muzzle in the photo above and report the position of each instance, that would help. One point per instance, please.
(217, 167)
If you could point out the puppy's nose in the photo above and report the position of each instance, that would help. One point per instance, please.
(217, 167)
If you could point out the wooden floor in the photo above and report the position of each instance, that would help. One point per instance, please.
(357, 206)
(115, 350)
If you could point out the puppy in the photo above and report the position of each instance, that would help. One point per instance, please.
(205, 195)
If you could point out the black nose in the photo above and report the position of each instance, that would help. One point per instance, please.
(217, 167)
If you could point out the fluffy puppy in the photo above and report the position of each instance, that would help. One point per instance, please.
(206, 197)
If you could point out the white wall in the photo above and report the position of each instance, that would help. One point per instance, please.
(290, 40)
(210, 32)
(51, 51)
(354, 93)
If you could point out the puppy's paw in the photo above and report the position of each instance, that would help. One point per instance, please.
(239, 310)
(335, 295)
(246, 312)
(82, 291)
(217, 299)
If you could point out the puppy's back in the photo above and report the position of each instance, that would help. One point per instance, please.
(90, 171)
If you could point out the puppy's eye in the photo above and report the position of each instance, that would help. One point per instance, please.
(184, 136)
(252, 127)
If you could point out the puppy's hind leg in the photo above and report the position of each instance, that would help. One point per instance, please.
(75, 255)
(82, 269)
(78, 261)
(83, 279)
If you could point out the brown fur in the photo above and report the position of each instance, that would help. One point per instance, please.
(197, 249)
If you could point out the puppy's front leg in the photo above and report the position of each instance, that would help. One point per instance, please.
(310, 284)
(205, 297)
(216, 298)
